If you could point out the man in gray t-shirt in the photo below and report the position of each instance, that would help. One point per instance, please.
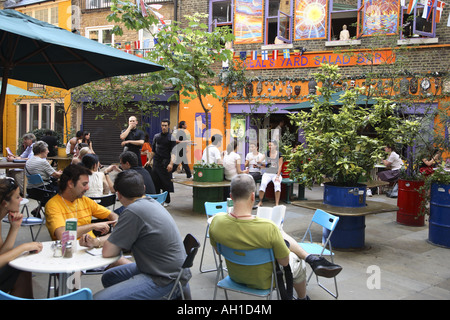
(150, 232)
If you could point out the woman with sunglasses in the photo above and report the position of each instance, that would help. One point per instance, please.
(15, 282)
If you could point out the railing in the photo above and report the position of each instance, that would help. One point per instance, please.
(104, 4)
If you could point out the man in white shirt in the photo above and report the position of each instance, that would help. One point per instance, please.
(211, 154)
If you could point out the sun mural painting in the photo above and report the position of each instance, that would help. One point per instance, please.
(381, 17)
(310, 19)
(248, 21)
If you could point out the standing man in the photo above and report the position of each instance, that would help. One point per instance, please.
(150, 232)
(182, 141)
(163, 160)
(133, 138)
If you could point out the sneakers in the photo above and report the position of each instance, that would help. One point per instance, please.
(323, 267)
(165, 204)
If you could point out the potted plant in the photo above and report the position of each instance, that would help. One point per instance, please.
(204, 172)
(336, 147)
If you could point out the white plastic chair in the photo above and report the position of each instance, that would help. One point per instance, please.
(329, 222)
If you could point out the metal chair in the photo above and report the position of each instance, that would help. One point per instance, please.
(82, 294)
(328, 222)
(191, 246)
(247, 258)
(106, 200)
(29, 221)
(159, 197)
(211, 209)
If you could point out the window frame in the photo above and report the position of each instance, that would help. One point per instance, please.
(290, 22)
(26, 125)
(212, 23)
(100, 28)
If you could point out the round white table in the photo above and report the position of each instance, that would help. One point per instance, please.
(44, 262)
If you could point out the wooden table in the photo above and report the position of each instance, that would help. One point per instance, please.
(63, 162)
(204, 191)
(14, 165)
(350, 230)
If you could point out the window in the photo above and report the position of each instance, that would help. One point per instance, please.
(40, 115)
(101, 34)
(221, 14)
(46, 14)
(341, 15)
(278, 21)
(97, 4)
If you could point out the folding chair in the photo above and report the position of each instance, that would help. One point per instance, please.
(29, 221)
(276, 214)
(329, 222)
(191, 246)
(159, 197)
(106, 200)
(247, 258)
(82, 294)
(211, 209)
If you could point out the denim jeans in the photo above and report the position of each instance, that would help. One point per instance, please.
(126, 282)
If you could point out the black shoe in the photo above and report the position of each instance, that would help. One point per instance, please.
(36, 213)
(322, 267)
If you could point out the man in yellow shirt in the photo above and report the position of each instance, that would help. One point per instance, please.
(70, 202)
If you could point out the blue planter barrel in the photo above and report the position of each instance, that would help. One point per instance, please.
(345, 196)
(439, 223)
(350, 230)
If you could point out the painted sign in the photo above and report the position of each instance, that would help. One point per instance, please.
(310, 19)
(313, 60)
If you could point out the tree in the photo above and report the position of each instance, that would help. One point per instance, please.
(188, 53)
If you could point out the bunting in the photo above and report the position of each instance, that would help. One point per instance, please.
(264, 55)
(428, 9)
(275, 54)
(286, 53)
(412, 5)
(254, 55)
(439, 9)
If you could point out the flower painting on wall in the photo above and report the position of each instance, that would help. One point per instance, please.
(381, 17)
(248, 21)
(310, 19)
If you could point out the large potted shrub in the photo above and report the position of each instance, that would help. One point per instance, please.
(337, 149)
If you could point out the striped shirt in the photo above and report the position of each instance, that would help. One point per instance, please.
(37, 165)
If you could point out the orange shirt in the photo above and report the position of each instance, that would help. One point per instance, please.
(57, 210)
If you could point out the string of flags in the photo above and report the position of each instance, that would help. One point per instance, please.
(428, 8)
(266, 55)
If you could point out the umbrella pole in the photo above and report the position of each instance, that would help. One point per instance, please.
(2, 101)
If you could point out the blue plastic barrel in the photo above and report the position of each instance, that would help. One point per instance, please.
(345, 196)
(439, 223)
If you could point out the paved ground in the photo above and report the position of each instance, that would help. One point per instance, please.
(408, 267)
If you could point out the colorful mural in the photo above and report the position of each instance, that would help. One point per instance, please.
(310, 19)
(381, 17)
(248, 21)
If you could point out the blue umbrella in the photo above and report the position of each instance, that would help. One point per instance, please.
(13, 90)
(38, 52)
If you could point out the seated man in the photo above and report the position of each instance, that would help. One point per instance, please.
(150, 232)
(241, 230)
(128, 160)
(70, 202)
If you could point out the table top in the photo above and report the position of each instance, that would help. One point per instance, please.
(199, 184)
(44, 262)
(370, 208)
(60, 158)
(12, 165)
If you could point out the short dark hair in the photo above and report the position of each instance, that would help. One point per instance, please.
(72, 173)
(90, 160)
(166, 120)
(130, 184)
(181, 124)
(242, 186)
(216, 139)
(130, 157)
(79, 134)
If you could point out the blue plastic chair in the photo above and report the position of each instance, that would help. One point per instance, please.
(159, 197)
(247, 258)
(36, 179)
(326, 221)
(211, 209)
(82, 294)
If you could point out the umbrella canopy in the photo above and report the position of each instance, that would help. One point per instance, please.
(38, 52)
(362, 99)
(13, 90)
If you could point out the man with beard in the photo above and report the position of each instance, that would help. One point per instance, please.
(163, 157)
(70, 202)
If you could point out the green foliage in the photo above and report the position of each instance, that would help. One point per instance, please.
(335, 147)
